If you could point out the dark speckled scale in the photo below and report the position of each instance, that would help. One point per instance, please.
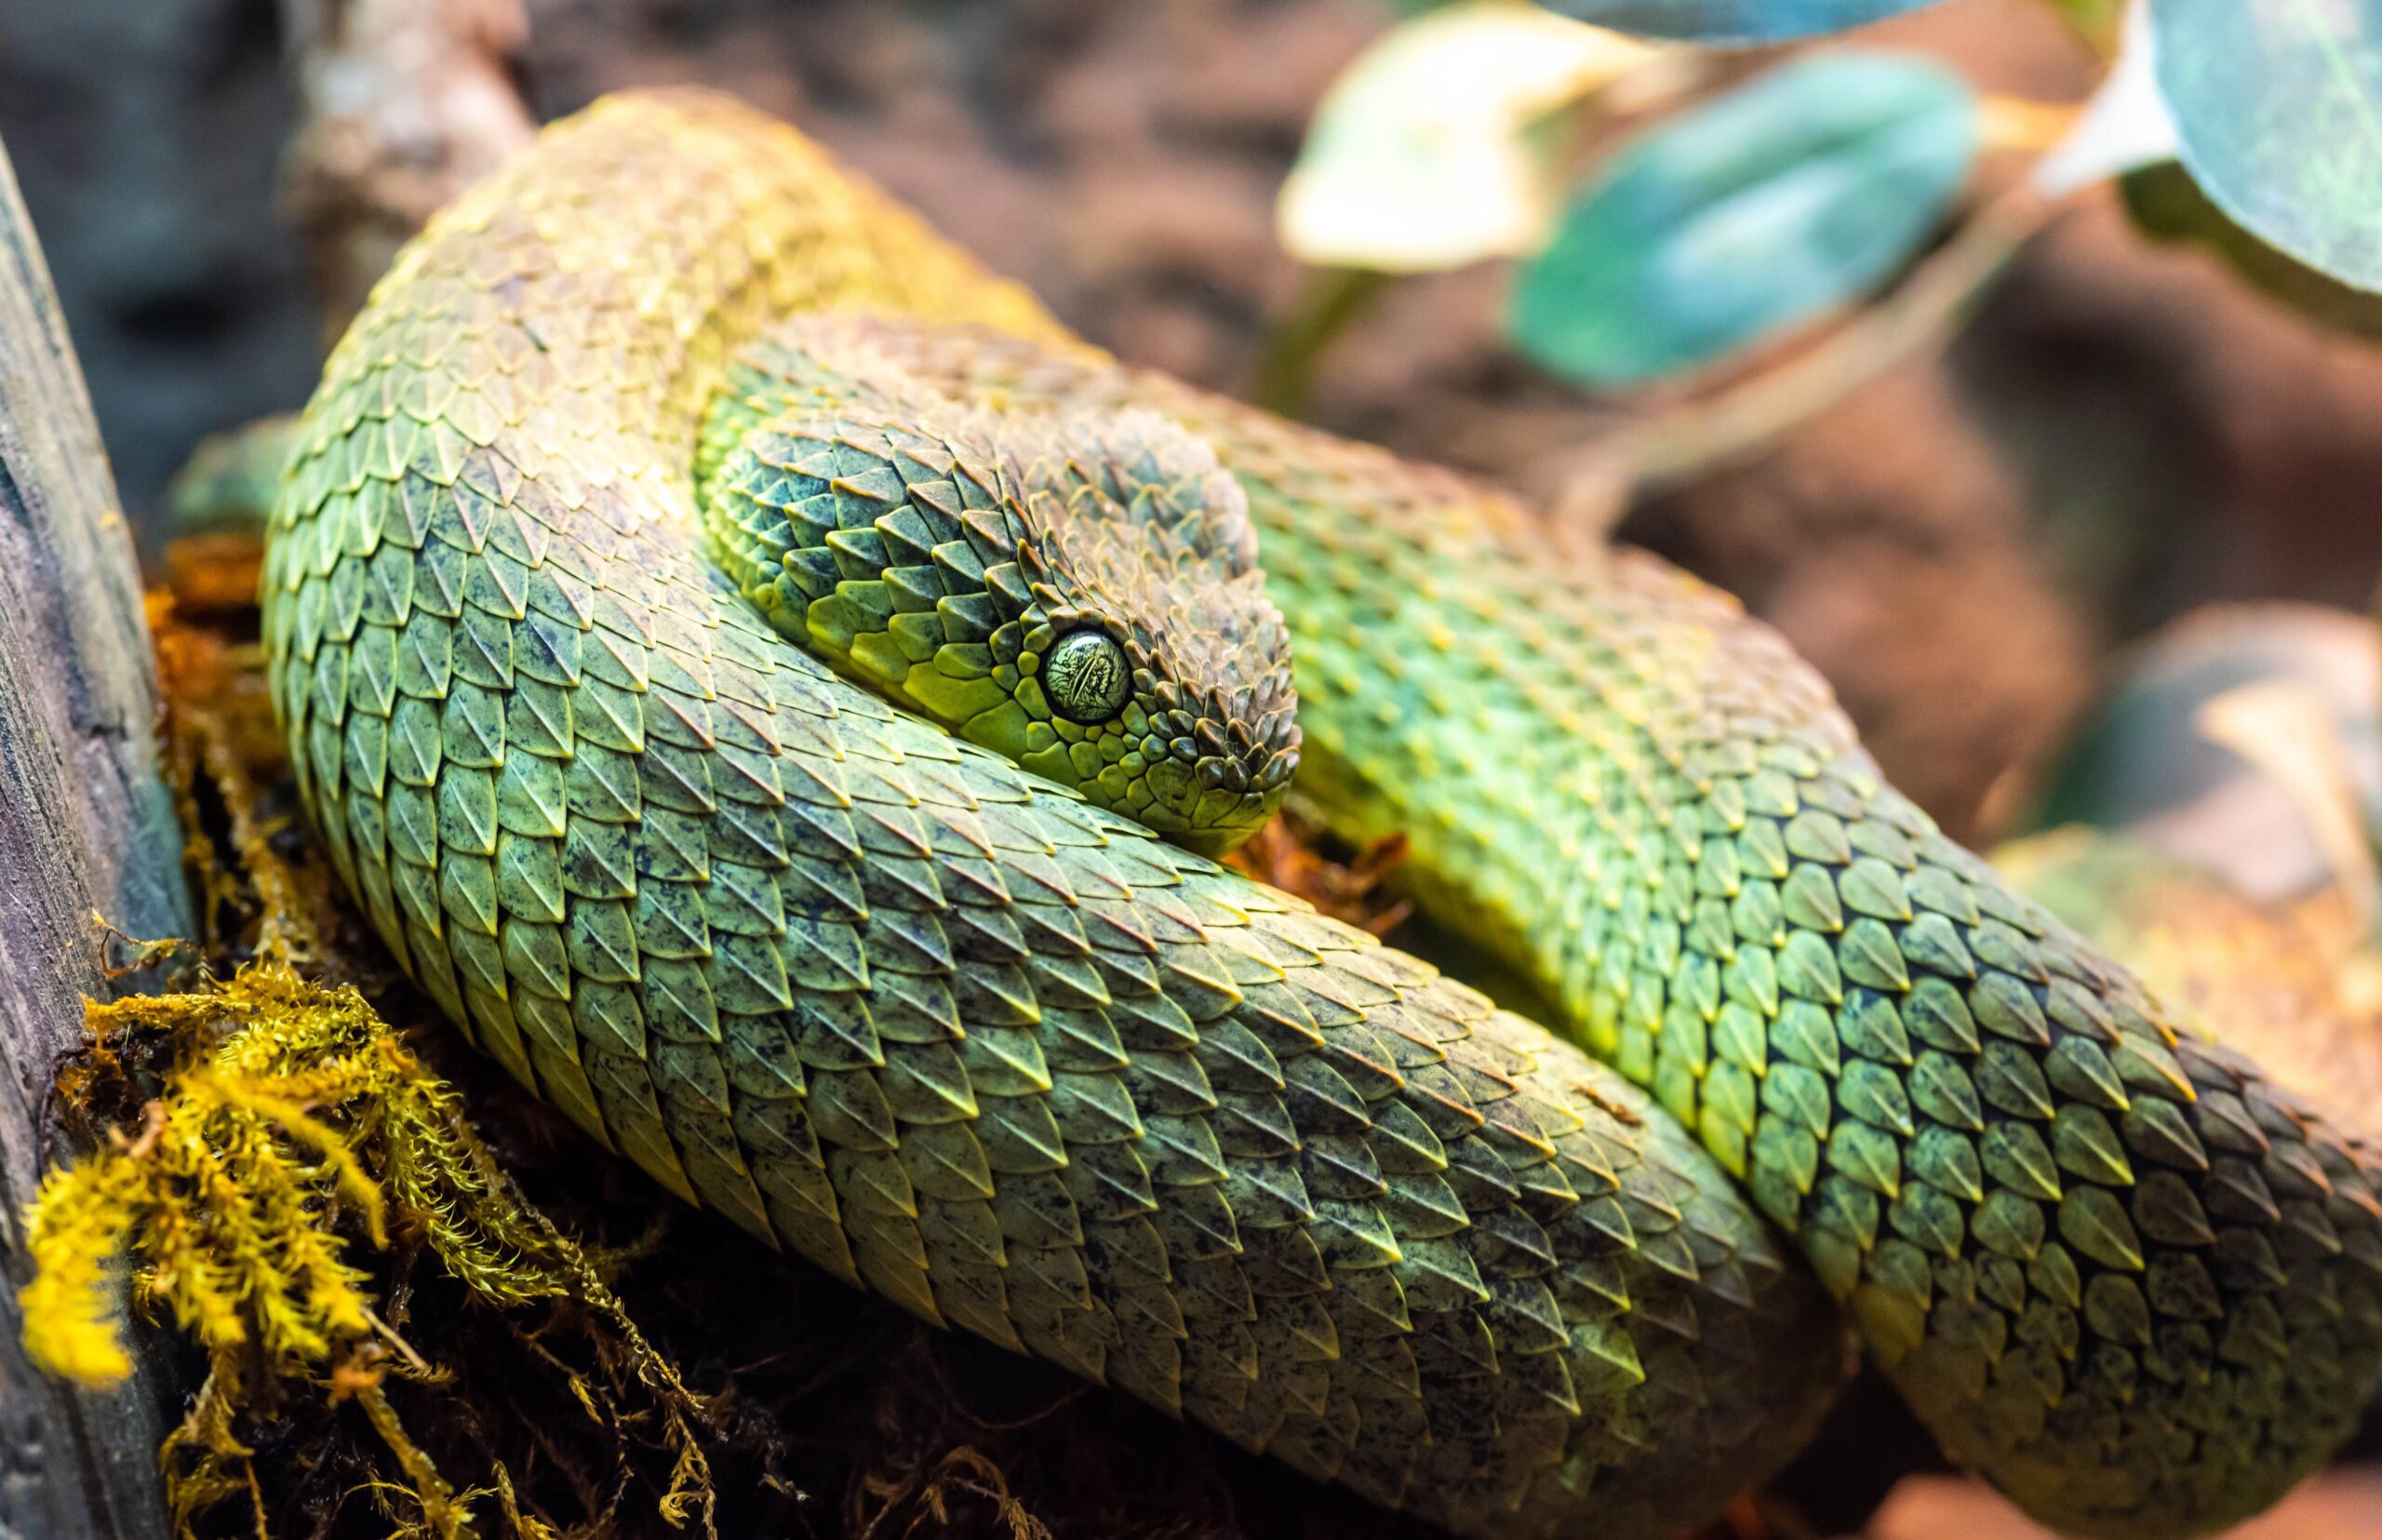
(879, 995)
(1015, 1064)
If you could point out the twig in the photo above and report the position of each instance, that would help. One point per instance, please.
(2016, 124)
(406, 103)
(1599, 481)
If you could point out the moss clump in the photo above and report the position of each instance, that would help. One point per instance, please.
(294, 1121)
(265, 1156)
(292, 1103)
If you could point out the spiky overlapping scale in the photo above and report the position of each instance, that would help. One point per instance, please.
(2115, 1266)
(937, 553)
(946, 1031)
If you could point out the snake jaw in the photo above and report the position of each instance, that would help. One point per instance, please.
(1217, 766)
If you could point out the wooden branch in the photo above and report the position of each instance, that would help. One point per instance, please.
(404, 103)
(86, 825)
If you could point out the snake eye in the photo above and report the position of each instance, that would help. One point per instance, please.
(1084, 678)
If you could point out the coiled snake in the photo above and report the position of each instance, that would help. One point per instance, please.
(984, 1043)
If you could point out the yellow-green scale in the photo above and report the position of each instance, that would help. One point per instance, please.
(1075, 590)
(2118, 1269)
(877, 995)
(858, 986)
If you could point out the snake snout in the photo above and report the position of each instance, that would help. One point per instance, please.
(1225, 761)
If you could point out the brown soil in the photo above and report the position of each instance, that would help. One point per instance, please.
(2124, 433)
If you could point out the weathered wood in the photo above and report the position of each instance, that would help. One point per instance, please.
(86, 825)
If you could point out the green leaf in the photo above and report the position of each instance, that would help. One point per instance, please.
(2168, 205)
(1730, 20)
(1755, 212)
(1422, 156)
(2278, 104)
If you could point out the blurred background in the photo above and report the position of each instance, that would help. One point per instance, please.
(2126, 430)
(1976, 548)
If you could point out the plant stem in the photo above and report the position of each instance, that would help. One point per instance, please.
(2015, 123)
(1328, 300)
(1603, 478)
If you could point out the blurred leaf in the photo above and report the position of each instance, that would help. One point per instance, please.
(2279, 103)
(1756, 211)
(1420, 156)
(2099, 22)
(2144, 759)
(2125, 126)
(1730, 20)
(2166, 204)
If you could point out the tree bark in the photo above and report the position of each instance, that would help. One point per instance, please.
(86, 826)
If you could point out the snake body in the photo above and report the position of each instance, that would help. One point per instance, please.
(1003, 1054)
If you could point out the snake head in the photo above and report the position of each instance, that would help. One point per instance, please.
(1077, 591)
(1149, 669)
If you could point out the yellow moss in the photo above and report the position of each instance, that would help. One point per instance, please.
(256, 1178)
(76, 1244)
(291, 1105)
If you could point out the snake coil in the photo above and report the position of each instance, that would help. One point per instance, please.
(1001, 1055)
